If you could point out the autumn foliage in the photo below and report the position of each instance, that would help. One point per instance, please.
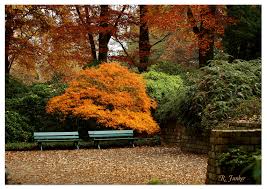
(109, 94)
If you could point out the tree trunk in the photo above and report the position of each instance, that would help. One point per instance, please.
(8, 36)
(92, 46)
(144, 45)
(205, 54)
(90, 35)
(104, 35)
(206, 35)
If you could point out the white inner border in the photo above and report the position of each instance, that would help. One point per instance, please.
(154, 2)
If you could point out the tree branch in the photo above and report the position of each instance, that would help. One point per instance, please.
(79, 14)
(12, 61)
(161, 40)
(117, 21)
(87, 15)
(124, 50)
(86, 24)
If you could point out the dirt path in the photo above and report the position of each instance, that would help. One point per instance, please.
(106, 166)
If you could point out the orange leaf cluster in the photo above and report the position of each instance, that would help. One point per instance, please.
(110, 94)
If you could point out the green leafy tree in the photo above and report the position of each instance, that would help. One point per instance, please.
(243, 39)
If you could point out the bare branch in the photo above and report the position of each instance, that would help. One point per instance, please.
(161, 40)
(117, 21)
(87, 15)
(124, 50)
(79, 14)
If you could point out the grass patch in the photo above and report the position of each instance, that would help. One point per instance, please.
(46, 146)
(156, 181)
(20, 146)
(24, 146)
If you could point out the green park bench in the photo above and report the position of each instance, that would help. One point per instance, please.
(109, 135)
(42, 137)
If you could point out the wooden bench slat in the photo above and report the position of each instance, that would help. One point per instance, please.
(111, 132)
(42, 140)
(109, 135)
(55, 133)
(114, 139)
(56, 137)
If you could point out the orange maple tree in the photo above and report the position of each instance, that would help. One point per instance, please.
(110, 94)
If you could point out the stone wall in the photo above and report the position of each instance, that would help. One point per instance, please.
(195, 141)
(221, 141)
(171, 133)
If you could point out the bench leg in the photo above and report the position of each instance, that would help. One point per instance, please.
(96, 143)
(77, 145)
(132, 143)
(40, 145)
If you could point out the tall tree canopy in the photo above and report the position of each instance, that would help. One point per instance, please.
(243, 39)
(23, 26)
(64, 39)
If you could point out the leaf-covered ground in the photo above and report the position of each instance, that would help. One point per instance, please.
(137, 165)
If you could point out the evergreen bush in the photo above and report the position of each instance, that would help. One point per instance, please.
(17, 127)
(168, 91)
(25, 108)
(224, 91)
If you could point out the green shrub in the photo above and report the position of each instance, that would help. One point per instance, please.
(17, 128)
(240, 162)
(160, 84)
(167, 68)
(224, 91)
(168, 91)
(25, 105)
(188, 74)
(32, 106)
(220, 55)
(14, 87)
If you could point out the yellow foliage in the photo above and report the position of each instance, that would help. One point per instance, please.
(112, 95)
